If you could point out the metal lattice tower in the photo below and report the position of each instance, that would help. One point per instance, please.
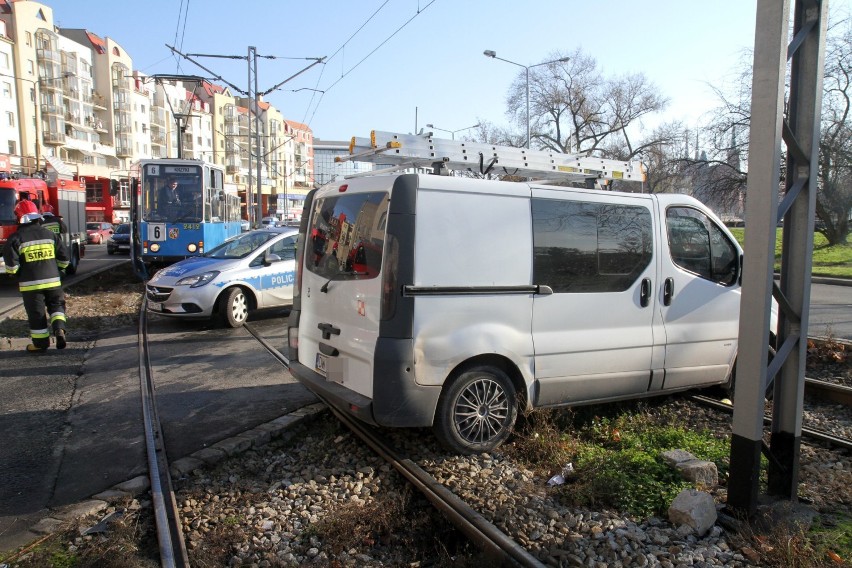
(799, 129)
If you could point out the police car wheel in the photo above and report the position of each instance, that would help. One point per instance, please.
(233, 306)
(476, 411)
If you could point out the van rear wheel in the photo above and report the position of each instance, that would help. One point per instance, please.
(477, 411)
(233, 306)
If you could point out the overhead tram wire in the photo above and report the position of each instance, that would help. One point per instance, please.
(419, 11)
(182, 13)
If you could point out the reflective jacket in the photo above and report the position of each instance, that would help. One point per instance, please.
(54, 223)
(36, 255)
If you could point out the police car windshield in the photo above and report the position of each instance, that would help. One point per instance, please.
(242, 245)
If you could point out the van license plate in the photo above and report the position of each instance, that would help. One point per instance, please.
(321, 364)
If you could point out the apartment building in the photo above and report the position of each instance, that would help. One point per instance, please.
(72, 106)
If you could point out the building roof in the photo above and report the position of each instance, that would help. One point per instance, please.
(298, 125)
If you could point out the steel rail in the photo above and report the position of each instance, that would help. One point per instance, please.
(169, 533)
(500, 548)
(811, 433)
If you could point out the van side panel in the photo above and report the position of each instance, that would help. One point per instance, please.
(594, 336)
(473, 237)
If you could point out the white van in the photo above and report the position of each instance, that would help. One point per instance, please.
(426, 300)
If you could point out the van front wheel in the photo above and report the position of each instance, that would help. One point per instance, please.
(477, 411)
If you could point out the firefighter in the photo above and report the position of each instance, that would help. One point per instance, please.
(38, 256)
(24, 206)
(53, 223)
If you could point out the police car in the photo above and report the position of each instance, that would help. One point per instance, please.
(251, 271)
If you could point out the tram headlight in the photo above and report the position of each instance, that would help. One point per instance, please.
(155, 247)
(191, 247)
(198, 279)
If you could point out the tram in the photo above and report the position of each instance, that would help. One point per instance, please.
(180, 208)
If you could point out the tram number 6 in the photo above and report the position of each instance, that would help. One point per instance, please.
(156, 232)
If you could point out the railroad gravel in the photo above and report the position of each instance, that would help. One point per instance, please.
(281, 492)
(293, 502)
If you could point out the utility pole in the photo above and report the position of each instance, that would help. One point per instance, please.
(253, 96)
(259, 214)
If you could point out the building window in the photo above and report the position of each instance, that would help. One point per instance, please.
(30, 67)
(10, 118)
(4, 60)
(7, 90)
(29, 39)
(13, 147)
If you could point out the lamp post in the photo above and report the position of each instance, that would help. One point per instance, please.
(493, 55)
(452, 132)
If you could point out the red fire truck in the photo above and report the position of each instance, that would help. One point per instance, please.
(66, 200)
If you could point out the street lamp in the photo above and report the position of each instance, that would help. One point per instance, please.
(493, 55)
(452, 132)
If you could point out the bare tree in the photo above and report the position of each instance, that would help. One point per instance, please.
(575, 108)
(720, 173)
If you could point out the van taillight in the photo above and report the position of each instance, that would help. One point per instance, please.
(300, 253)
(390, 265)
(343, 188)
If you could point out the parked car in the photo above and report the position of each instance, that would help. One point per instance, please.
(120, 240)
(97, 233)
(245, 225)
(251, 271)
(268, 222)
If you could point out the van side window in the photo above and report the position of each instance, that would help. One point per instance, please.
(589, 247)
(347, 235)
(699, 246)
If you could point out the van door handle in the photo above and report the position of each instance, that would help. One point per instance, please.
(328, 330)
(668, 291)
(645, 292)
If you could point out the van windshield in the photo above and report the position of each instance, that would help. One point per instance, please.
(347, 234)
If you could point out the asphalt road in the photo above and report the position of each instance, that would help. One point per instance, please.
(72, 419)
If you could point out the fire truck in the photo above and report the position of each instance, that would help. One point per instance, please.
(66, 200)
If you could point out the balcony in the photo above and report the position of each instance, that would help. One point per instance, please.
(232, 169)
(53, 138)
(97, 100)
(52, 110)
(120, 106)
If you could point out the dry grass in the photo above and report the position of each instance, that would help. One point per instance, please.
(110, 300)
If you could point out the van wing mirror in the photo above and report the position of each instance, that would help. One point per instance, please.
(740, 269)
(221, 195)
(114, 186)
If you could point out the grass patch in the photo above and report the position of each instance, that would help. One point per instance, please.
(615, 451)
(616, 457)
(833, 261)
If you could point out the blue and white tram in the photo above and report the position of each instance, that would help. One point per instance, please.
(180, 209)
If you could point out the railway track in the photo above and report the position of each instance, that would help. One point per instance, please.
(500, 548)
(169, 532)
(816, 389)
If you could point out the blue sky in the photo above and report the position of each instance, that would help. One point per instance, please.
(432, 70)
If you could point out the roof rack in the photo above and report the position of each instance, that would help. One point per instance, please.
(423, 151)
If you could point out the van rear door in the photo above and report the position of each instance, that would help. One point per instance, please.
(341, 288)
(595, 335)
